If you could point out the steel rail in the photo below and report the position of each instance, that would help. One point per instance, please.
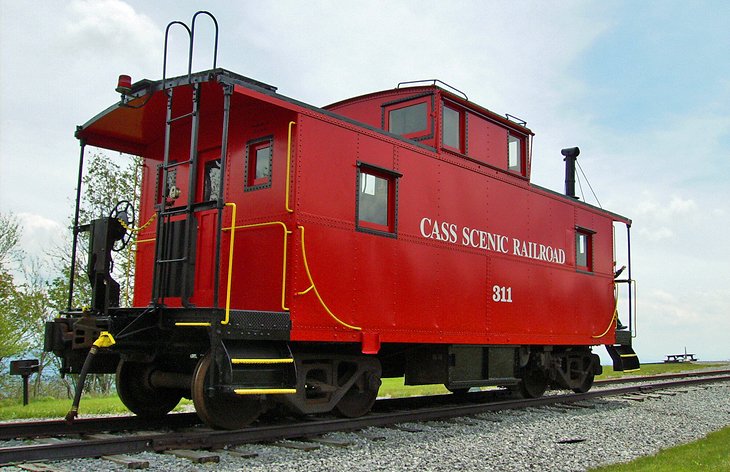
(649, 378)
(216, 439)
(31, 429)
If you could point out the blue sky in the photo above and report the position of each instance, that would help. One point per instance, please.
(642, 87)
(657, 58)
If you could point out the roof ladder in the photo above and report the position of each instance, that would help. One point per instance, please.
(174, 252)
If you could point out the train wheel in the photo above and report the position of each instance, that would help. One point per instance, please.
(458, 391)
(361, 396)
(586, 385)
(533, 384)
(137, 394)
(222, 412)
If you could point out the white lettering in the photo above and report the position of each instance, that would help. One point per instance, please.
(486, 241)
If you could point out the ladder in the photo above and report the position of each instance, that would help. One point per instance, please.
(174, 266)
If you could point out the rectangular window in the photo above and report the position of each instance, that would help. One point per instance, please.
(211, 186)
(408, 120)
(514, 149)
(376, 199)
(451, 128)
(584, 250)
(171, 183)
(259, 159)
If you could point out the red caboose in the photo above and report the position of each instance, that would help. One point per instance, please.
(298, 254)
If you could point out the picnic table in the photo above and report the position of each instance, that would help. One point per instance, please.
(680, 358)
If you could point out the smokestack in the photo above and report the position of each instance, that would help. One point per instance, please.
(570, 155)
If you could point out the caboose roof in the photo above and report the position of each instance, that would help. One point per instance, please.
(393, 94)
(130, 127)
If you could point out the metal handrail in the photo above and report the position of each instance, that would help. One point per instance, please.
(433, 82)
(192, 40)
(191, 43)
(164, 56)
(288, 166)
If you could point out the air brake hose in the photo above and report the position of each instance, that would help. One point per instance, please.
(104, 340)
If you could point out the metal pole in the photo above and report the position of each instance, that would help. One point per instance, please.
(227, 92)
(25, 390)
(628, 247)
(570, 155)
(82, 141)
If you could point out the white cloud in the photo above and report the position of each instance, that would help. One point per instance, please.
(662, 210)
(40, 234)
(110, 27)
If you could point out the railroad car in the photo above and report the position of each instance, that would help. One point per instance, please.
(287, 254)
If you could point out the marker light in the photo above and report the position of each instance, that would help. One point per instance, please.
(124, 84)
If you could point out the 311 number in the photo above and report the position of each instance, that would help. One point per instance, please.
(502, 294)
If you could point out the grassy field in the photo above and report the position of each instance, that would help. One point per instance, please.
(57, 408)
(709, 454)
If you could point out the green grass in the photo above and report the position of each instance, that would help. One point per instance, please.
(57, 408)
(655, 369)
(395, 388)
(711, 453)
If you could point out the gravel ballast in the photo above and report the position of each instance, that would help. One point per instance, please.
(547, 439)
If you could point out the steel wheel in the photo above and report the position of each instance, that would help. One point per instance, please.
(222, 412)
(533, 384)
(361, 396)
(137, 394)
(585, 385)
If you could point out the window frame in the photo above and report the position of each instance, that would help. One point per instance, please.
(461, 121)
(390, 229)
(208, 184)
(252, 148)
(522, 157)
(586, 233)
(420, 135)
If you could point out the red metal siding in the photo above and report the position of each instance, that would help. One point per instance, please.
(424, 284)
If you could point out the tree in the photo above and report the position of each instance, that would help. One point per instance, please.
(13, 339)
(28, 299)
(105, 184)
(24, 304)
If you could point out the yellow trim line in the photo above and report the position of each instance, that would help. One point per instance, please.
(614, 317)
(183, 323)
(262, 361)
(264, 391)
(316, 292)
(230, 263)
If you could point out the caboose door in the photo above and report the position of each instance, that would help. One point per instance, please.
(207, 196)
(185, 261)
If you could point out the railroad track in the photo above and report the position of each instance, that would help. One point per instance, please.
(387, 412)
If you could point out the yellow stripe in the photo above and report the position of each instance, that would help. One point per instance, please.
(627, 355)
(632, 370)
(262, 361)
(316, 292)
(264, 391)
(192, 324)
(230, 263)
